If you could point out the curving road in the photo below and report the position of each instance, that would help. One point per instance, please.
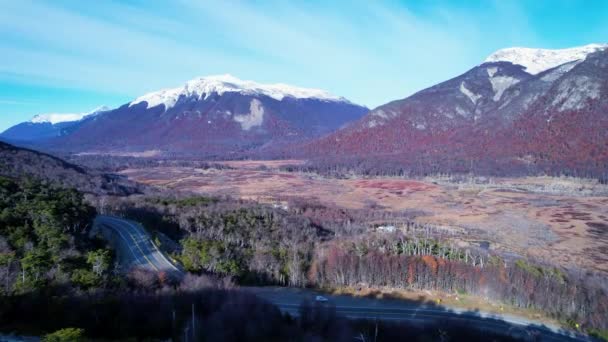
(289, 301)
(134, 247)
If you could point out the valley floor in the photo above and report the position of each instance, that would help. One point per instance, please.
(562, 221)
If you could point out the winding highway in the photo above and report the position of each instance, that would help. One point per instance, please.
(289, 301)
(134, 247)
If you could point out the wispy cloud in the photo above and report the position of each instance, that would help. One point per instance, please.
(131, 50)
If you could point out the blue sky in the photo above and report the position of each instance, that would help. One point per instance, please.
(72, 56)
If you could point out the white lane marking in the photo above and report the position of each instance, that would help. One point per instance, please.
(144, 236)
(383, 316)
(138, 246)
(462, 313)
(126, 242)
(149, 241)
(370, 307)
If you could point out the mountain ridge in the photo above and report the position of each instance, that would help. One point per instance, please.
(496, 118)
(47, 126)
(55, 118)
(208, 116)
(220, 84)
(18, 162)
(535, 60)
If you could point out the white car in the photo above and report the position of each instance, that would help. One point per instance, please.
(320, 299)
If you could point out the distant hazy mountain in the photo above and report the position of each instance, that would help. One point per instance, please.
(46, 126)
(521, 110)
(216, 115)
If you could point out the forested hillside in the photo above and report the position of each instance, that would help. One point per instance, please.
(495, 119)
(44, 239)
(16, 162)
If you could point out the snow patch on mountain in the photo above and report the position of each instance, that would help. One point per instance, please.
(379, 113)
(254, 118)
(500, 84)
(203, 87)
(380, 116)
(471, 95)
(559, 71)
(420, 126)
(55, 118)
(492, 71)
(538, 60)
(574, 92)
(166, 97)
(461, 111)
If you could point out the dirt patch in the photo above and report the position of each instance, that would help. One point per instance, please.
(394, 185)
(598, 230)
(575, 215)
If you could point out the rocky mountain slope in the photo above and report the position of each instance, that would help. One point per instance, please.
(521, 111)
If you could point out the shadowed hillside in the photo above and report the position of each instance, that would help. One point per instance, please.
(16, 162)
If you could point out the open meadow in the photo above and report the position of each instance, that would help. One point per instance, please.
(559, 221)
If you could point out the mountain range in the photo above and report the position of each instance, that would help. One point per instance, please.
(214, 115)
(521, 110)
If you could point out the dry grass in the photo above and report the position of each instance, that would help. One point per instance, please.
(460, 301)
(254, 164)
(143, 154)
(567, 229)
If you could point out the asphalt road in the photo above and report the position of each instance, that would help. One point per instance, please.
(289, 301)
(134, 246)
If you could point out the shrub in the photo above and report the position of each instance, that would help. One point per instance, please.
(65, 335)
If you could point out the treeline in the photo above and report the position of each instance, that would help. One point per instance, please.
(258, 244)
(44, 239)
(421, 165)
(407, 264)
(111, 163)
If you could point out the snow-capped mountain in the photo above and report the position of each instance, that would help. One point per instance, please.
(536, 61)
(55, 118)
(214, 115)
(203, 87)
(46, 126)
(517, 112)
